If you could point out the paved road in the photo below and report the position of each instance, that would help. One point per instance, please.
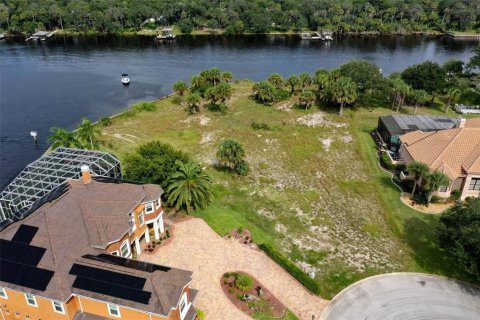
(406, 296)
(196, 247)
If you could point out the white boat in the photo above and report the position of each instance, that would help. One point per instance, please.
(166, 34)
(2, 36)
(125, 79)
(316, 36)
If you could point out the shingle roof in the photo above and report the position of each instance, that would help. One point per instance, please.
(75, 225)
(454, 152)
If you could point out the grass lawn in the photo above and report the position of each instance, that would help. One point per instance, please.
(315, 191)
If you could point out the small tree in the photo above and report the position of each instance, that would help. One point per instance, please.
(193, 102)
(276, 80)
(264, 92)
(231, 154)
(305, 80)
(227, 76)
(180, 87)
(220, 93)
(63, 138)
(344, 91)
(434, 181)
(189, 187)
(452, 95)
(418, 170)
(419, 97)
(87, 133)
(365, 74)
(293, 81)
(428, 76)
(459, 233)
(307, 99)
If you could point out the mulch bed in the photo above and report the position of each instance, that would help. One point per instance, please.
(244, 237)
(257, 299)
(154, 245)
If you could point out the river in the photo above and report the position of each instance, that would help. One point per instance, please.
(55, 84)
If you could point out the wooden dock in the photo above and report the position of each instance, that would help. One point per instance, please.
(463, 36)
(40, 35)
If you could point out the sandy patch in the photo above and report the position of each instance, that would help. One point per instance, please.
(318, 119)
(207, 137)
(327, 143)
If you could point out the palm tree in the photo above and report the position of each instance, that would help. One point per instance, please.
(419, 97)
(193, 102)
(63, 138)
(322, 78)
(189, 187)
(277, 80)
(305, 80)
(435, 180)
(307, 99)
(344, 91)
(197, 82)
(180, 87)
(227, 76)
(452, 95)
(264, 92)
(400, 90)
(418, 170)
(87, 133)
(293, 82)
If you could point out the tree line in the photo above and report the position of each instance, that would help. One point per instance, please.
(238, 16)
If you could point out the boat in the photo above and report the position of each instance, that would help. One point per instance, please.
(125, 79)
(316, 36)
(2, 36)
(166, 34)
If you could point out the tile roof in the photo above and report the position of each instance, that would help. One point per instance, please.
(454, 152)
(79, 223)
(472, 123)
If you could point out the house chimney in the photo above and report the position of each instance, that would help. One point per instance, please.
(461, 122)
(86, 175)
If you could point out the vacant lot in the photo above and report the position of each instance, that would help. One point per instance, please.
(314, 191)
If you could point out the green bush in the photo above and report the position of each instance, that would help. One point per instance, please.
(144, 106)
(240, 229)
(242, 169)
(386, 162)
(291, 268)
(436, 199)
(239, 296)
(244, 282)
(260, 126)
(105, 121)
(200, 314)
(421, 197)
(455, 195)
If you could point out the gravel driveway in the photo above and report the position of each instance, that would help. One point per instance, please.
(198, 248)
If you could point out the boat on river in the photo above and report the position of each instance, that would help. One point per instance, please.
(2, 36)
(166, 34)
(40, 35)
(125, 79)
(316, 36)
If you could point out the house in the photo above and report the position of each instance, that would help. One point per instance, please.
(391, 127)
(455, 152)
(71, 257)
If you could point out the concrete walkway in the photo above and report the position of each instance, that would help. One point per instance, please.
(198, 248)
(402, 296)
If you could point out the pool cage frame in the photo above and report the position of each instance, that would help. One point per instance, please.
(49, 173)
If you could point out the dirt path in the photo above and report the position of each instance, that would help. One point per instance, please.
(198, 248)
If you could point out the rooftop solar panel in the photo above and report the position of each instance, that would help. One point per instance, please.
(25, 234)
(20, 252)
(103, 275)
(128, 263)
(24, 275)
(112, 290)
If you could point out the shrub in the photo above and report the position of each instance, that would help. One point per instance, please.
(260, 126)
(230, 290)
(239, 296)
(240, 229)
(244, 282)
(455, 195)
(421, 197)
(386, 162)
(105, 121)
(242, 169)
(144, 106)
(436, 199)
(291, 268)
(200, 315)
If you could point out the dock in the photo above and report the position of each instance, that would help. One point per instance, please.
(40, 35)
(463, 36)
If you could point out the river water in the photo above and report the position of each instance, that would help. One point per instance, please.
(55, 84)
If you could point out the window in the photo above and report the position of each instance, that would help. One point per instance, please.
(474, 184)
(149, 207)
(141, 220)
(443, 189)
(125, 249)
(184, 305)
(113, 310)
(3, 293)
(58, 307)
(30, 300)
(157, 203)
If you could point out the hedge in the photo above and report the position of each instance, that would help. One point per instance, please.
(291, 268)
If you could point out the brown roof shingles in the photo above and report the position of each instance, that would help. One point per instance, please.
(454, 151)
(80, 222)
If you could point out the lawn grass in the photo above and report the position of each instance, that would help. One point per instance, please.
(288, 316)
(315, 193)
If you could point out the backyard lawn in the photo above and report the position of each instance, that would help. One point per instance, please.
(314, 192)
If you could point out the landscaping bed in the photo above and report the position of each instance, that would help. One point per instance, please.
(154, 245)
(243, 236)
(248, 295)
